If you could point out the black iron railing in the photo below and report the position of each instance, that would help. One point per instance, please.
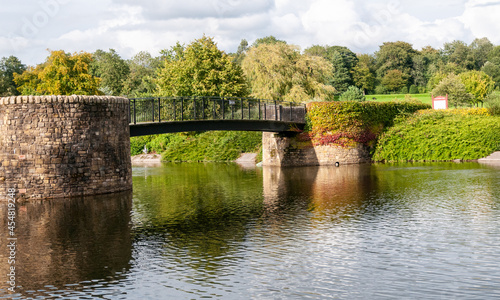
(165, 109)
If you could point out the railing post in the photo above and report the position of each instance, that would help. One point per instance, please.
(175, 112)
(194, 108)
(213, 108)
(291, 115)
(182, 109)
(281, 112)
(135, 114)
(203, 108)
(223, 112)
(249, 102)
(241, 104)
(265, 111)
(259, 110)
(153, 109)
(275, 111)
(159, 110)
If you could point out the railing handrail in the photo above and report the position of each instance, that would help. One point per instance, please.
(184, 108)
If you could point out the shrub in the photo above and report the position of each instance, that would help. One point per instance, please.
(349, 123)
(493, 103)
(352, 94)
(413, 89)
(439, 136)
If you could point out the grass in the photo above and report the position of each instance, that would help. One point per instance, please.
(424, 98)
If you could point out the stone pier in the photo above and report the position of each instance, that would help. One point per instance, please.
(64, 146)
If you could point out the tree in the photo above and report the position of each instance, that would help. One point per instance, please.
(394, 80)
(8, 67)
(479, 84)
(363, 73)
(240, 53)
(480, 49)
(268, 40)
(279, 71)
(353, 94)
(61, 74)
(343, 61)
(395, 56)
(112, 69)
(452, 86)
(201, 69)
(492, 70)
(140, 81)
(459, 53)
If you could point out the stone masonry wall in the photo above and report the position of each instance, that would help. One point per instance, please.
(282, 150)
(64, 146)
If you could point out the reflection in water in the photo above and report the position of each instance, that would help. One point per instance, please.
(66, 242)
(417, 231)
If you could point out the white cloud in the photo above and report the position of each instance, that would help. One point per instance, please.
(481, 18)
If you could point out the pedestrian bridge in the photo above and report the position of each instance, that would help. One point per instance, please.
(155, 115)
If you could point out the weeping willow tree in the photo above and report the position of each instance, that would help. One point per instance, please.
(280, 71)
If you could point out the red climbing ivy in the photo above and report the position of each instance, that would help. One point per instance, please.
(346, 124)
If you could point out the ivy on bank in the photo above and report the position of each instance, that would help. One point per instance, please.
(440, 136)
(347, 124)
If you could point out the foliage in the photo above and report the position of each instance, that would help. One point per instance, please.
(61, 74)
(493, 103)
(492, 70)
(194, 147)
(112, 69)
(478, 84)
(348, 123)
(394, 80)
(455, 89)
(439, 136)
(8, 67)
(459, 53)
(279, 71)
(201, 69)
(395, 56)
(363, 73)
(352, 94)
(268, 40)
(140, 81)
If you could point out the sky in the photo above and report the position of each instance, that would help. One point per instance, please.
(28, 28)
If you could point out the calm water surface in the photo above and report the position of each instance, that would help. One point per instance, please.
(191, 231)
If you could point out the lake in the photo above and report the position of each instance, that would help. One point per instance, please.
(191, 231)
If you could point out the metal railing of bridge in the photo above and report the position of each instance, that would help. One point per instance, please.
(165, 109)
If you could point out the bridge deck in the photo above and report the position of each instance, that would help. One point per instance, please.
(178, 114)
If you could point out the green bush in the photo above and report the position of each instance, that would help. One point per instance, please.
(439, 136)
(413, 89)
(492, 101)
(348, 123)
(352, 94)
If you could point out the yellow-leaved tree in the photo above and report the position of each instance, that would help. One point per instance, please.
(280, 71)
(61, 74)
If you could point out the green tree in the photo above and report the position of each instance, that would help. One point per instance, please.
(141, 79)
(492, 70)
(8, 67)
(363, 73)
(480, 49)
(240, 53)
(201, 69)
(352, 94)
(112, 69)
(459, 53)
(61, 74)
(395, 56)
(394, 80)
(479, 84)
(268, 40)
(279, 71)
(452, 86)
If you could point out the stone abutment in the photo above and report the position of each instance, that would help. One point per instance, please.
(64, 146)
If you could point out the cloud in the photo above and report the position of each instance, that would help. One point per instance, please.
(481, 18)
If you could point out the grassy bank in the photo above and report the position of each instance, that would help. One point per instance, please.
(424, 98)
(195, 147)
(440, 136)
